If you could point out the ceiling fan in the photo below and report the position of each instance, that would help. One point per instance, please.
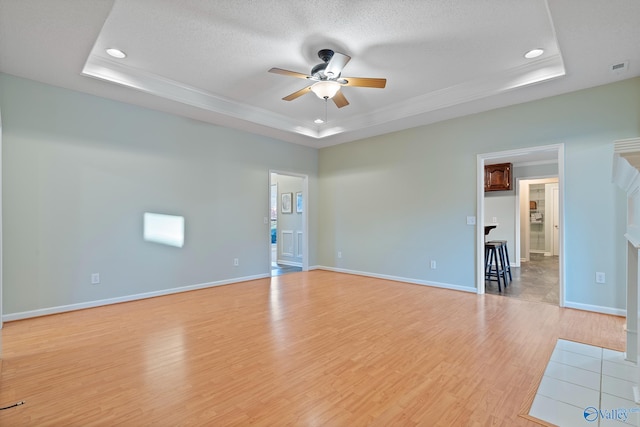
(327, 80)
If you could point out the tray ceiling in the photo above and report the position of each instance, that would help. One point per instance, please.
(209, 60)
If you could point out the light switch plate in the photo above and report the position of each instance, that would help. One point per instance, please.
(471, 220)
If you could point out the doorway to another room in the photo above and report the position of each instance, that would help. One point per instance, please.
(528, 218)
(287, 223)
(537, 277)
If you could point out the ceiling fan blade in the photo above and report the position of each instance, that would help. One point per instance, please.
(297, 94)
(336, 64)
(363, 82)
(288, 73)
(340, 100)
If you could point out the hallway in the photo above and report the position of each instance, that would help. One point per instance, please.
(280, 269)
(536, 280)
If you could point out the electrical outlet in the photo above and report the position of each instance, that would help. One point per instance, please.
(600, 277)
(339, 254)
(433, 264)
(494, 220)
(471, 220)
(95, 278)
(236, 262)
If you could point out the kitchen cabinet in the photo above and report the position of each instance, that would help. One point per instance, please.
(497, 177)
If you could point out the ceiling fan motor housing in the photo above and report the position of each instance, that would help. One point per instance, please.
(325, 55)
(318, 70)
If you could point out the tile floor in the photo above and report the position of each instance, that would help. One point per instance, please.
(535, 280)
(280, 269)
(585, 385)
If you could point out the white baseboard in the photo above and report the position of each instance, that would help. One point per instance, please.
(90, 304)
(400, 279)
(567, 304)
(596, 308)
(289, 263)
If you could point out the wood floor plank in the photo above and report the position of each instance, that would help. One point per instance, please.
(310, 348)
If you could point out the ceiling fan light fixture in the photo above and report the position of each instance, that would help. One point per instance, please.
(326, 89)
(534, 53)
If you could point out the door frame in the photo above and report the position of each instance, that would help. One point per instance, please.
(1, 273)
(554, 191)
(305, 215)
(508, 154)
(527, 181)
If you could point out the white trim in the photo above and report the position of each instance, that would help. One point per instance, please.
(398, 279)
(135, 297)
(117, 300)
(630, 145)
(289, 263)
(567, 304)
(561, 272)
(305, 215)
(596, 308)
(633, 239)
(299, 244)
(526, 181)
(516, 258)
(119, 72)
(626, 163)
(283, 240)
(480, 224)
(1, 256)
(624, 174)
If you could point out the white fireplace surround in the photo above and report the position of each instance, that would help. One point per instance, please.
(626, 174)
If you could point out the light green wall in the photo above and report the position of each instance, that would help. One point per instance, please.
(79, 172)
(392, 203)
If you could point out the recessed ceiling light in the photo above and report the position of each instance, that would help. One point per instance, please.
(318, 121)
(116, 53)
(534, 53)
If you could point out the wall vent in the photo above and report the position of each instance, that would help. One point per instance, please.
(619, 68)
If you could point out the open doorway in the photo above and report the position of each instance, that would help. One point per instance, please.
(288, 223)
(538, 270)
(536, 276)
(539, 217)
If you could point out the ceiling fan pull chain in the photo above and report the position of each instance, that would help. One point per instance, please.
(326, 100)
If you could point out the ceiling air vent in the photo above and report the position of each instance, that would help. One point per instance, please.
(619, 68)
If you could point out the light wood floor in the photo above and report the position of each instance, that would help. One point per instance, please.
(303, 349)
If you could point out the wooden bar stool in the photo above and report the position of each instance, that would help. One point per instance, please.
(494, 265)
(503, 253)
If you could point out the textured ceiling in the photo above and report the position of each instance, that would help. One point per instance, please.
(208, 60)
